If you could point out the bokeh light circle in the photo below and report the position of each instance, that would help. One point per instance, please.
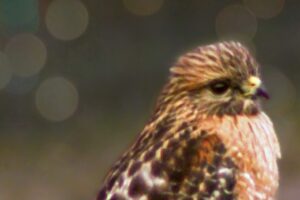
(27, 54)
(282, 92)
(56, 99)
(67, 19)
(265, 8)
(143, 8)
(5, 71)
(236, 22)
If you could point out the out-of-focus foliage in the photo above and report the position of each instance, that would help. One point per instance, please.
(78, 80)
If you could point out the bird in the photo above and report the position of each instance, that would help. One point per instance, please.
(208, 137)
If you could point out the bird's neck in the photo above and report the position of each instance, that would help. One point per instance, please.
(252, 142)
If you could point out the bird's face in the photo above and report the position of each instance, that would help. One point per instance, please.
(228, 95)
(219, 79)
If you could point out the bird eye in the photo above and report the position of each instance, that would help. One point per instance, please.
(219, 87)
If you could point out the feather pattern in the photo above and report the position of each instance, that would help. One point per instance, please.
(201, 145)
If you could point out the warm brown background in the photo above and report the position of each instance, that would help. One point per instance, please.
(78, 80)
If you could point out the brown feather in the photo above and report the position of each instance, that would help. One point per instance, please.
(201, 145)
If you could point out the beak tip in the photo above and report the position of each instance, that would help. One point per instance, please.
(262, 93)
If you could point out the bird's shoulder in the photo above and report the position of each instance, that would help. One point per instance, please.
(172, 162)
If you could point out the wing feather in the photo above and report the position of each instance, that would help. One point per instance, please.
(172, 163)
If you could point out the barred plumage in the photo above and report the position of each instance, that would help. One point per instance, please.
(208, 137)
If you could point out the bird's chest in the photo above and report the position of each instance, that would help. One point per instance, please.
(253, 146)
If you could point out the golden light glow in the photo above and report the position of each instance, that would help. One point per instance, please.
(265, 8)
(67, 19)
(236, 22)
(27, 54)
(56, 99)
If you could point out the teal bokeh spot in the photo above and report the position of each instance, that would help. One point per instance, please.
(19, 16)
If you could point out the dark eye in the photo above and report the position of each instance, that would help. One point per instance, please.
(219, 87)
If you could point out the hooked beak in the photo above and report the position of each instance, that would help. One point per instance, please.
(252, 88)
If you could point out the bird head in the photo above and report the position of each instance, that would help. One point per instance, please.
(218, 79)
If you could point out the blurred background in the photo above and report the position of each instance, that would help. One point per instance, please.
(78, 81)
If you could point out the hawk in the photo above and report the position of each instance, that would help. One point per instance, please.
(208, 138)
